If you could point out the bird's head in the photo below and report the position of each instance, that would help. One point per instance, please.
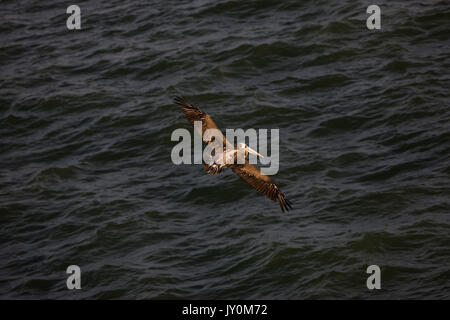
(242, 147)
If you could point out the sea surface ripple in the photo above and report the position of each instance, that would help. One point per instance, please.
(86, 177)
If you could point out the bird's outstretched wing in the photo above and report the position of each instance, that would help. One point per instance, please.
(264, 184)
(195, 114)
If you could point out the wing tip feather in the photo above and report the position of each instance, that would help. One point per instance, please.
(181, 101)
(285, 204)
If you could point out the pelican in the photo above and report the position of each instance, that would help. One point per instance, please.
(227, 159)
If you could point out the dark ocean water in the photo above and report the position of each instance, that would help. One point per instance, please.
(86, 176)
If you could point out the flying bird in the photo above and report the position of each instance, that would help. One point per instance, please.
(228, 158)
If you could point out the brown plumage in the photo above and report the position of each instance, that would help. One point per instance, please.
(195, 114)
(248, 172)
(262, 183)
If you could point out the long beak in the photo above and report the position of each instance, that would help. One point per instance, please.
(254, 152)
